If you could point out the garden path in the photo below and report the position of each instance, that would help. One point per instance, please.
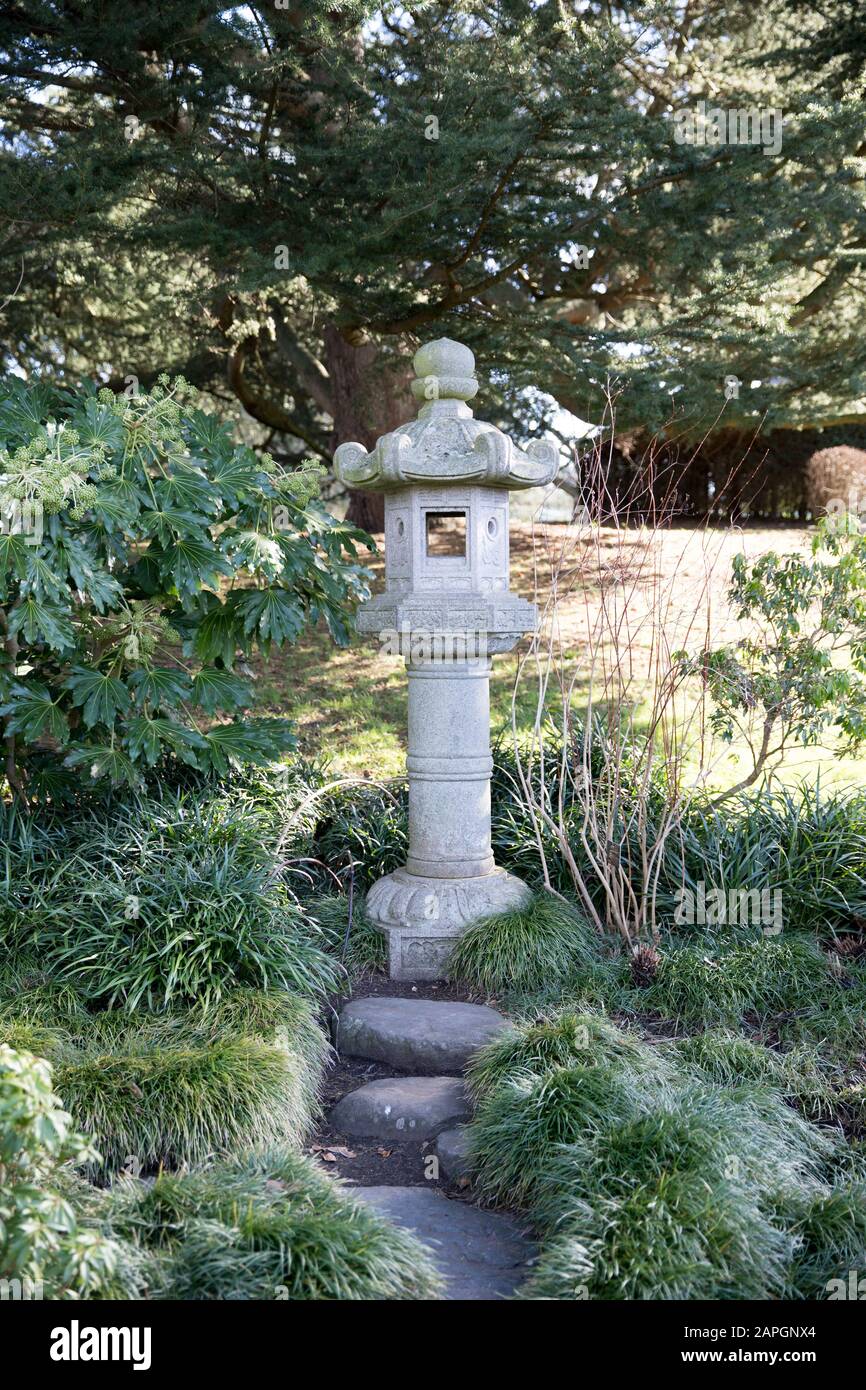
(394, 1130)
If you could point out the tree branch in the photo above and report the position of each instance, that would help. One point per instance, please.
(266, 411)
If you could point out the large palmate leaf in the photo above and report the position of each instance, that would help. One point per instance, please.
(187, 489)
(220, 634)
(272, 615)
(42, 622)
(255, 741)
(117, 506)
(169, 522)
(254, 551)
(31, 712)
(210, 434)
(101, 760)
(13, 558)
(194, 564)
(160, 687)
(94, 581)
(96, 423)
(237, 476)
(148, 738)
(103, 696)
(213, 689)
(42, 580)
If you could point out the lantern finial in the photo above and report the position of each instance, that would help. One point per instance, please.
(445, 371)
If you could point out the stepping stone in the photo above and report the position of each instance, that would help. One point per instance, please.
(417, 1035)
(402, 1107)
(452, 1150)
(481, 1254)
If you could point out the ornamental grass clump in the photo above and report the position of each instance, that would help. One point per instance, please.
(652, 1171)
(521, 1124)
(729, 1059)
(148, 1105)
(673, 1236)
(716, 981)
(829, 1226)
(154, 927)
(563, 1039)
(806, 842)
(175, 1088)
(30, 994)
(270, 1225)
(365, 825)
(525, 950)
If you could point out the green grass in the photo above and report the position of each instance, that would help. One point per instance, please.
(719, 979)
(269, 1225)
(829, 1226)
(366, 948)
(519, 1126)
(173, 908)
(563, 1039)
(668, 1238)
(806, 842)
(729, 1059)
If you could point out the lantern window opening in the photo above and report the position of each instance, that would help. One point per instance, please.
(446, 534)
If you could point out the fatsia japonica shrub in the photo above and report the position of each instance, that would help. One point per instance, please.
(144, 554)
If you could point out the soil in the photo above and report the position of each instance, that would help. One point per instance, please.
(373, 986)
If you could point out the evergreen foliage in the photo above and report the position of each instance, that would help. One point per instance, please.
(294, 193)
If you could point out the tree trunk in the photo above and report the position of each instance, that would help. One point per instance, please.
(371, 395)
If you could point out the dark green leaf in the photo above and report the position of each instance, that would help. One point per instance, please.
(213, 690)
(32, 713)
(160, 686)
(103, 696)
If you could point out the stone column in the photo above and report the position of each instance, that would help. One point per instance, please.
(449, 766)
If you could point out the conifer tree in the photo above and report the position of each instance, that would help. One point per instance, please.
(280, 200)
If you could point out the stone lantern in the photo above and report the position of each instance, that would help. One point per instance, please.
(447, 609)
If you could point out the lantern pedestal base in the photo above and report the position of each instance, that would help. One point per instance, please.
(422, 916)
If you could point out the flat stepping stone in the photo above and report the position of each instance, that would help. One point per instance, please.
(402, 1107)
(481, 1254)
(452, 1150)
(417, 1035)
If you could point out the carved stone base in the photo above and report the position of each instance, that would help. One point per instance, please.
(422, 917)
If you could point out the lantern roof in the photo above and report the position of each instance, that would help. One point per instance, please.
(446, 444)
